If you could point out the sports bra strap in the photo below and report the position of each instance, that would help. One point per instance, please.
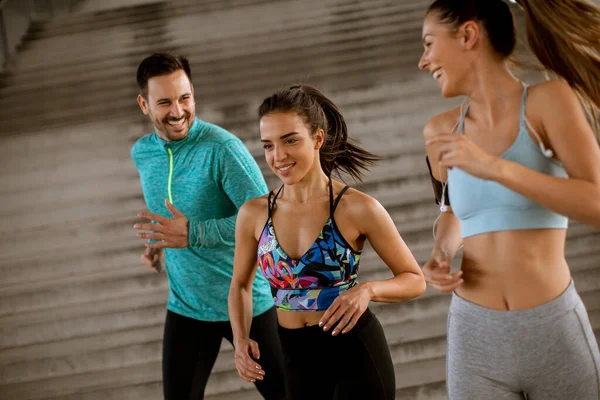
(272, 202)
(269, 203)
(330, 194)
(522, 121)
(461, 121)
(337, 200)
(332, 204)
(523, 100)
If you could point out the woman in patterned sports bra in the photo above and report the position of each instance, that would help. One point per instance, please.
(334, 346)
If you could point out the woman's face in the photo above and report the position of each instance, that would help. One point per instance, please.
(291, 150)
(445, 56)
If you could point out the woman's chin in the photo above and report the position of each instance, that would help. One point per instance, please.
(288, 180)
(449, 92)
(292, 176)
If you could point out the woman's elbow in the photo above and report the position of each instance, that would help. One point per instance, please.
(420, 284)
(417, 285)
(235, 289)
(239, 287)
(596, 214)
(591, 216)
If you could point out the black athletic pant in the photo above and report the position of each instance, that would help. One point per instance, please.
(354, 366)
(190, 349)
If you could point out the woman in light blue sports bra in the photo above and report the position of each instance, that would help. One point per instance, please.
(510, 166)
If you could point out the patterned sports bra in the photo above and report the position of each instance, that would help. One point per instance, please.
(312, 282)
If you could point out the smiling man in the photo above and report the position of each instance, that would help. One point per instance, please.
(195, 176)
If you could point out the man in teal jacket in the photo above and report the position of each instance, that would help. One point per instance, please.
(195, 176)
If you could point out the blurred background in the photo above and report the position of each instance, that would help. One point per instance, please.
(80, 318)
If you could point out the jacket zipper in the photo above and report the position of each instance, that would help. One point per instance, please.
(170, 174)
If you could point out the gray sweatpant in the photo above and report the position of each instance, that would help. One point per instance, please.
(544, 353)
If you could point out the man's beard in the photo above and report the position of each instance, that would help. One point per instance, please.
(163, 127)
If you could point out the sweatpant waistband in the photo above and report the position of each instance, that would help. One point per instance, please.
(541, 314)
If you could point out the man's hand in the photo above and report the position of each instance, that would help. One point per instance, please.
(169, 232)
(153, 259)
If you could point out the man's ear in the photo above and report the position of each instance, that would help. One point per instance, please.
(143, 104)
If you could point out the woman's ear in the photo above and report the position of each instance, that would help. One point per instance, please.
(319, 139)
(469, 34)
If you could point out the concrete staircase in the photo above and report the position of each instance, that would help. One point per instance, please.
(80, 318)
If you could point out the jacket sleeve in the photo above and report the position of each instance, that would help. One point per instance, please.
(241, 179)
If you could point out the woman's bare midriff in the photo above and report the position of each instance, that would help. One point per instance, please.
(514, 270)
(298, 319)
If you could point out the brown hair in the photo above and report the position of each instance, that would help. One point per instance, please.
(564, 35)
(159, 64)
(338, 152)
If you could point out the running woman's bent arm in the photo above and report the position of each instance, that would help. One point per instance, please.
(376, 225)
(240, 295)
(571, 138)
(447, 231)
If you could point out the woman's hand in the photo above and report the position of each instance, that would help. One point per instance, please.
(347, 309)
(437, 273)
(246, 351)
(458, 151)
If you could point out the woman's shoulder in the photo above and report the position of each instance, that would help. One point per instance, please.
(549, 100)
(441, 123)
(357, 203)
(255, 208)
(550, 87)
(550, 96)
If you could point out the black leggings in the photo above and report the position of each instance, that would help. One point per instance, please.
(190, 349)
(357, 365)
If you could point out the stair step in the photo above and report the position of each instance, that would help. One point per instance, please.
(315, 24)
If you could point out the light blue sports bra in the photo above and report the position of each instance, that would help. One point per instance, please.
(486, 206)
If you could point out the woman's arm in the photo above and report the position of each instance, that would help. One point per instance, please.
(448, 240)
(240, 293)
(379, 229)
(573, 141)
(374, 222)
(448, 236)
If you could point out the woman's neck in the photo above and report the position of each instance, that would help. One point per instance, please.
(492, 90)
(313, 184)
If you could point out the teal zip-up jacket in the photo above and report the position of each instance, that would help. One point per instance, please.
(207, 176)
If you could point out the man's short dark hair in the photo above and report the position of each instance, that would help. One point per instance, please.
(160, 64)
